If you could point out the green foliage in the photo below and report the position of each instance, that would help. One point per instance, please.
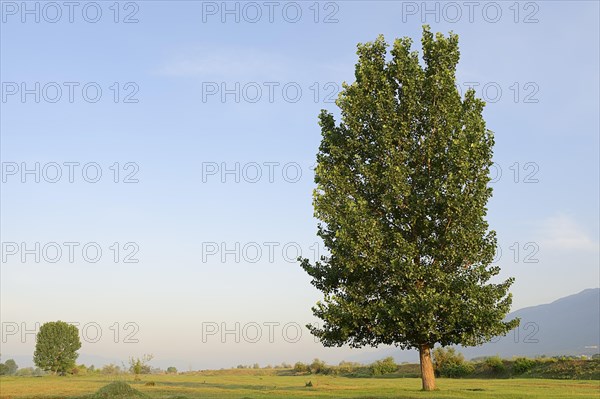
(447, 362)
(457, 370)
(172, 370)
(11, 367)
(56, 347)
(347, 367)
(318, 367)
(402, 186)
(300, 367)
(522, 365)
(569, 369)
(118, 390)
(384, 366)
(495, 364)
(445, 356)
(139, 366)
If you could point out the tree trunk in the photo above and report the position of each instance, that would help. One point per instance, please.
(426, 368)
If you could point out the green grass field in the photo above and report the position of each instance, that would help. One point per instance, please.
(264, 384)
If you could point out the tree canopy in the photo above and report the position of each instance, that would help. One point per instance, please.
(56, 347)
(402, 187)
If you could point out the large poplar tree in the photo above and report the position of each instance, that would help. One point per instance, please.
(402, 187)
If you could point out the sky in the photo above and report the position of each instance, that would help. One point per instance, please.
(157, 163)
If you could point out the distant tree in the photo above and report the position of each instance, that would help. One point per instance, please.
(447, 362)
(256, 366)
(3, 369)
(317, 366)
(172, 370)
(402, 187)
(384, 366)
(444, 357)
(27, 371)
(300, 367)
(110, 369)
(522, 365)
(345, 367)
(495, 364)
(11, 366)
(56, 347)
(139, 366)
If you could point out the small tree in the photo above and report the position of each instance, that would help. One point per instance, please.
(447, 362)
(444, 357)
(56, 347)
(139, 366)
(300, 367)
(172, 370)
(9, 367)
(384, 366)
(495, 364)
(317, 366)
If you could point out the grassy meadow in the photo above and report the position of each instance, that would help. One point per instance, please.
(245, 384)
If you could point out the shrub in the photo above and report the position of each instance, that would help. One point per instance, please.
(30, 371)
(139, 366)
(110, 369)
(318, 367)
(495, 364)
(347, 367)
(9, 367)
(172, 370)
(448, 362)
(300, 367)
(522, 365)
(384, 366)
(117, 390)
(457, 370)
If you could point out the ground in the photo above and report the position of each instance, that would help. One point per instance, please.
(245, 384)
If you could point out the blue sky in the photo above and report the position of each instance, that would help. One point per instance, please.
(173, 131)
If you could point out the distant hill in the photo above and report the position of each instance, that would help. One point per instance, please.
(569, 325)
